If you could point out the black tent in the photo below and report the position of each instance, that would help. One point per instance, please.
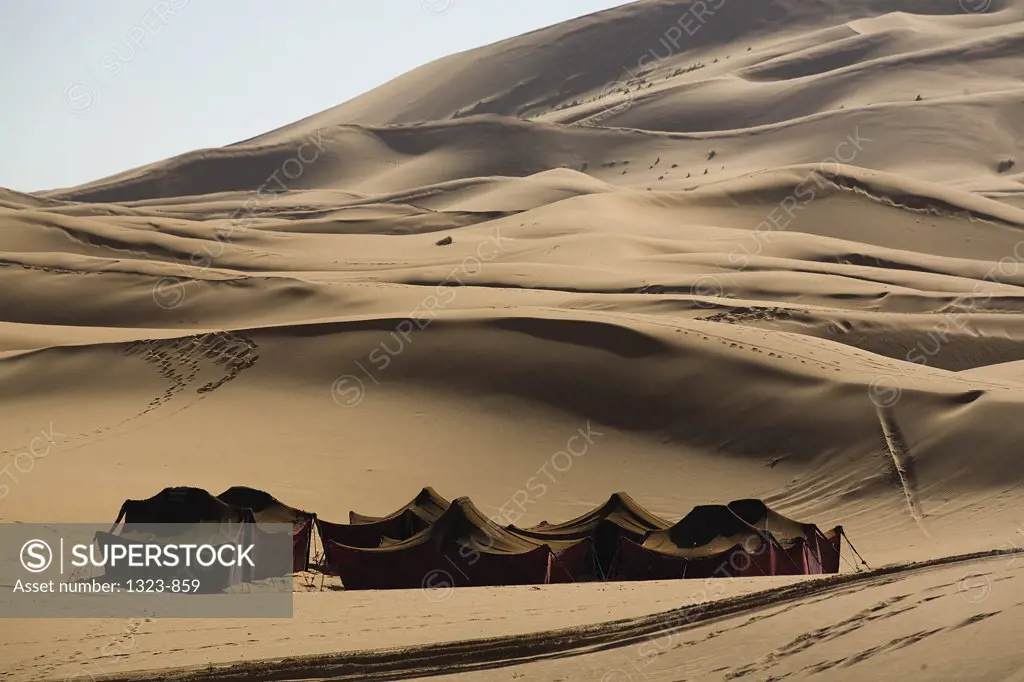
(461, 548)
(404, 522)
(184, 515)
(810, 550)
(708, 542)
(618, 517)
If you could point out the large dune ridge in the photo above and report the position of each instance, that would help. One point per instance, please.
(769, 249)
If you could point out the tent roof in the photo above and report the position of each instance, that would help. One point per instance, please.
(183, 505)
(372, 533)
(265, 507)
(464, 525)
(427, 505)
(759, 515)
(706, 531)
(620, 509)
(198, 517)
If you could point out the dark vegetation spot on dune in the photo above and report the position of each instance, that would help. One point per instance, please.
(712, 154)
(1005, 165)
(444, 242)
(919, 98)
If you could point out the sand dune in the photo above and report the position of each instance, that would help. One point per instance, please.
(780, 257)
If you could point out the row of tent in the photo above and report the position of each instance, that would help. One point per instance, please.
(619, 540)
(433, 541)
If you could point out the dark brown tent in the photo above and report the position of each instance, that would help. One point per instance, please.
(620, 516)
(147, 521)
(461, 548)
(268, 509)
(403, 523)
(182, 505)
(810, 550)
(708, 542)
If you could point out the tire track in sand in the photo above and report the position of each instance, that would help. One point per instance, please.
(497, 652)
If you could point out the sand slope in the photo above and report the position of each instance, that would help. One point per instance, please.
(777, 274)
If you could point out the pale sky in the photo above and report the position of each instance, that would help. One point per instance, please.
(89, 89)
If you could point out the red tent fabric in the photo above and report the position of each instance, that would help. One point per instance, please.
(830, 548)
(462, 548)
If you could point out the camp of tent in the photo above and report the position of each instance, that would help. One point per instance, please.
(619, 540)
(433, 541)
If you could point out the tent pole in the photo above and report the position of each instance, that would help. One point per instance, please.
(614, 565)
(773, 542)
(770, 550)
(558, 560)
(120, 515)
(842, 533)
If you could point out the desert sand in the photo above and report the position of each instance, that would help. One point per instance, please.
(765, 249)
